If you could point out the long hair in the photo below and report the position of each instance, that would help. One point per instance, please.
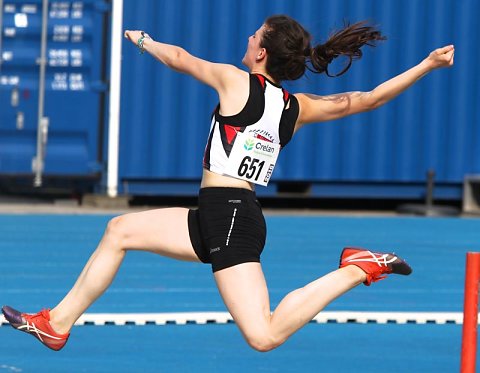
(290, 52)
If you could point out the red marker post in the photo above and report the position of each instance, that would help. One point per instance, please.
(470, 314)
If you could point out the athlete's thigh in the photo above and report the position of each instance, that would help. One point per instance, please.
(162, 231)
(244, 292)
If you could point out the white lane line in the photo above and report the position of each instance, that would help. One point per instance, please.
(341, 317)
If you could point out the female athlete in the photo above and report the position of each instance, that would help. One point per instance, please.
(254, 120)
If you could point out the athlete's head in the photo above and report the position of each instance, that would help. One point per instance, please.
(288, 50)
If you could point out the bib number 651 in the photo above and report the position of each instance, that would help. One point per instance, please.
(250, 167)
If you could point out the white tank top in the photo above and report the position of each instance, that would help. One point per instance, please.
(264, 116)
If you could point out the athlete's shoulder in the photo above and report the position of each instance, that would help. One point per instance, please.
(229, 76)
(233, 72)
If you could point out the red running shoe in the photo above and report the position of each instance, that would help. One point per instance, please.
(37, 325)
(376, 265)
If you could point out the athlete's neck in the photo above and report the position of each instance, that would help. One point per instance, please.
(265, 74)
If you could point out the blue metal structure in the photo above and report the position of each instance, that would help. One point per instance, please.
(165, 115)
(386, 153)
(71, 101)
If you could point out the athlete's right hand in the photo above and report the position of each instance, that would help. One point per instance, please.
(134, 35)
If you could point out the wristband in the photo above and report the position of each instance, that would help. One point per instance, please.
(141, 40)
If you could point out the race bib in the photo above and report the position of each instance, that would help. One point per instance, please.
(252, 159)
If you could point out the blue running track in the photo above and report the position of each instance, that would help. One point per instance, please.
(41, 255)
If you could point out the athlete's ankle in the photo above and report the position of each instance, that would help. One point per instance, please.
(357, 274)
(59, 325)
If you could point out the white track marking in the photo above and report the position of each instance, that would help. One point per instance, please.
(341, 317)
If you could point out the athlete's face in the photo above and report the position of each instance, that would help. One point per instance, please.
(254, 50)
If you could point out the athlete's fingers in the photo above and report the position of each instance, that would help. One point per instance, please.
(128, 34)
(447, 58)
(450, 56)
(133, 35)
(444, 50)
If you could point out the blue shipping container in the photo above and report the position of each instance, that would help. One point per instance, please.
(387, 153)
(72, 112)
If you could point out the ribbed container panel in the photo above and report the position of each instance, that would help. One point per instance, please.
(69, 96)
(165, 116)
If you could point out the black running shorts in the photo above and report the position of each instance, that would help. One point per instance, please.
(228, 228)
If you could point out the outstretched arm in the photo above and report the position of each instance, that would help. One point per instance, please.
(216, 75)
(315, 108)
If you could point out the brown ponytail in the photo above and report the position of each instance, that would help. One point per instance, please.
(290, 53)
(346, 42)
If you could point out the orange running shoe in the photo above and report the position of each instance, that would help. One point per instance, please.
(376, 265)
(37, 325)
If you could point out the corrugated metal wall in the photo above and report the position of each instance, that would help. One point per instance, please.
(435, 125)
(73, 86)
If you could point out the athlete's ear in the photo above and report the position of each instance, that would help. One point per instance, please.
(262, 53)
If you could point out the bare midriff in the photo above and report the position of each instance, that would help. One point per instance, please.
(212, 179)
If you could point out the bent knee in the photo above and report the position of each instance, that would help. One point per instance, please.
(117, 231)
(263, 343)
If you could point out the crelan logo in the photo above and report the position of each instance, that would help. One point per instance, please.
(249, 144)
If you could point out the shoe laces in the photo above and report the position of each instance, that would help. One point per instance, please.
(44, 314)
(383, 269)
